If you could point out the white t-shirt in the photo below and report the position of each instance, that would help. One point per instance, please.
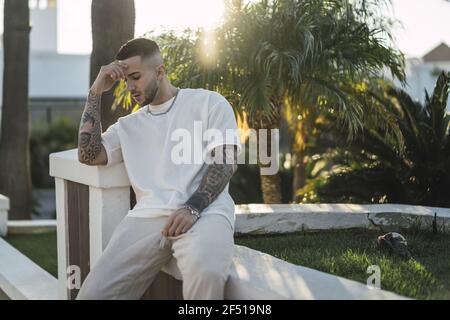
(164, 154)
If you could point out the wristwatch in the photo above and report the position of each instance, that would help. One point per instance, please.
(193, 211)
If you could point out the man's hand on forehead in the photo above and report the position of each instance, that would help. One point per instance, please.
(116, 70)
(108, 75)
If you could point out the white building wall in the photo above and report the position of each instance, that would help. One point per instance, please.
(422, 76)
(43, 17)
(53, 75)
(57, 76)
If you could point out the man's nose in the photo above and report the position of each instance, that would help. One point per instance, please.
(130, 86)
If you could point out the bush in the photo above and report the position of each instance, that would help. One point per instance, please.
(60, 135)
(375, 169)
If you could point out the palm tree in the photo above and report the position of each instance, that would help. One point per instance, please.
(15, 177)
(346, 47)
(112, 25)
(375, 169)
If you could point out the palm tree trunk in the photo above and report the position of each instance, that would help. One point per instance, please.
(112, 25)
(303, 130)
(270, 184)
(15, 176)
(271, 188)
(299, 167)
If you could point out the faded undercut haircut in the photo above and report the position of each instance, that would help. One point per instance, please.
(142, 47)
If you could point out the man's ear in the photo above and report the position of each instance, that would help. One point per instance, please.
(161, 71)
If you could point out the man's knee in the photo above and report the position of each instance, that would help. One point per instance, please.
(199, 265)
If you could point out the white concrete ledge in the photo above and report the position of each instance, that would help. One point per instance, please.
(31, 226)
(4, 207)
(284, 218)
(258, 276)
(65, 165)
(409, 216)
(22, 279)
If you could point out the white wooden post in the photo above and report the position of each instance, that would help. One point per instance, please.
(109, 202)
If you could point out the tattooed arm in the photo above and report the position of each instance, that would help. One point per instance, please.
(90, 148)
(216, 177)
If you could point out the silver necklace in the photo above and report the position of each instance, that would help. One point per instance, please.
(168, 109)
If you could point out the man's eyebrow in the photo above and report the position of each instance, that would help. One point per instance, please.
(129, 75)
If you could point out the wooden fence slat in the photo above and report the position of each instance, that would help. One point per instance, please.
(78, 231)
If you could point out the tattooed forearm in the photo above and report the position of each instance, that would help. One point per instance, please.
(89, 136)
(216, 177)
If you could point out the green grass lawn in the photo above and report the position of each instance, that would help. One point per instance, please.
(349, 253)
(344, 253)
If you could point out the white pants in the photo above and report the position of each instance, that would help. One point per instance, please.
(135, 255)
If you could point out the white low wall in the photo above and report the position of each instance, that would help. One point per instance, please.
(30, 226)
(4, 207)
(22, 279)
(284, 218)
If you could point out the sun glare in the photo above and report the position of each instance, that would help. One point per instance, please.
(74, 22)
(209, 48)
(177, 14)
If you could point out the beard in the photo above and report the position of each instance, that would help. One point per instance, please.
(150, 93)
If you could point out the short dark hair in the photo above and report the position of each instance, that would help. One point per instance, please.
(142, 47)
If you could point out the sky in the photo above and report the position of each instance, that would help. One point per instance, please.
(423, 24)
(150, 15)
(426, 23)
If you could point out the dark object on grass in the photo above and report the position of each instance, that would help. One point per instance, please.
(435, 230)
(394, 243)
